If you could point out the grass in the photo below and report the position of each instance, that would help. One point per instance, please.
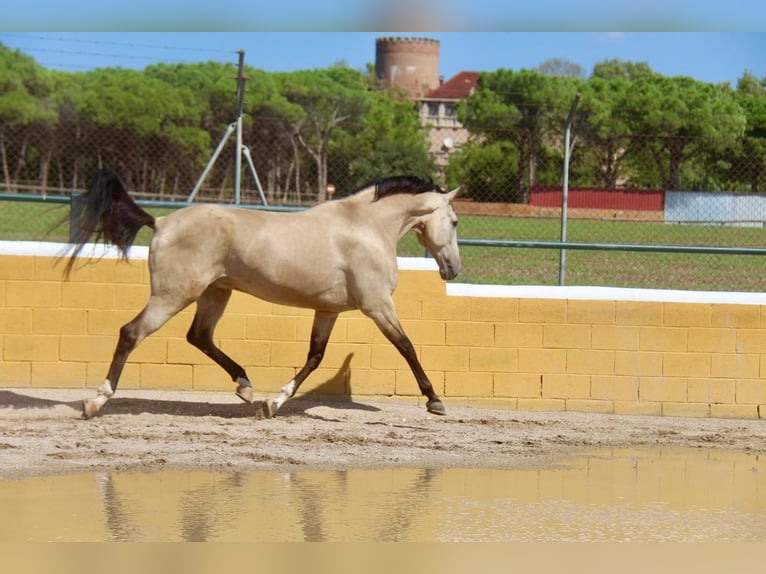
(502, 265)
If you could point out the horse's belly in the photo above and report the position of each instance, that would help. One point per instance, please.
(296, 294)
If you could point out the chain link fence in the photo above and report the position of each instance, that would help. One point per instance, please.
(638, 191)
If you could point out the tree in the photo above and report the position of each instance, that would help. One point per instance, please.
(561, 67)
(749, 161)
(684, 118)
(521, 107)
(25, 107)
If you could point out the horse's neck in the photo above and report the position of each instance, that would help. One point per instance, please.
(394, 215)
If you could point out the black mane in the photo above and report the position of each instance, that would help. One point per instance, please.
(403, 184)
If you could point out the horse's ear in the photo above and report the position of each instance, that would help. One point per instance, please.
(451, 194)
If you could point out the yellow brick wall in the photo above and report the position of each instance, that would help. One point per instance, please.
(625, 357)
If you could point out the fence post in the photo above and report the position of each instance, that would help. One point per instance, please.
(565, 190)
(75, 214)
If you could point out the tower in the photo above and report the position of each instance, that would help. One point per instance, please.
(409, 63)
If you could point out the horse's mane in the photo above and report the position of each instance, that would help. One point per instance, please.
(403, 184)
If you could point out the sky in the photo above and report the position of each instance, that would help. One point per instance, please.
(706, 56)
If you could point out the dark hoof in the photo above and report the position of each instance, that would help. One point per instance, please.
(436, 407)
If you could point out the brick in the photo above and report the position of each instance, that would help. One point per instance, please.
(539, 361)
(85, 348)
(687, 315)
(117, 271)
(342, 355)
(166, 376)
(363, 330)
(15, 373)
(447, 309)
(544, 405)
(32, 294)
(637, 363)
(735, 316)
(734, 411)
(386, 357)
(153, 349)
(211, 378)
(421, 284)
(250, 353)
(671, 409)
(709, 340)
(446, 358)
(407, 386)
(665, 339)
(518, 335)
(662, 389)
(613, 388)
(751, 341)
(590, 362)
(244, 304)
(638, 313)
(644, 408)
(17, 267)
(493, 403)
(177, 326)
(180, 352)
(737, 366)
(493, 359)
(372, 382)
(423, 332)
(16, 321)
(494, 310)
(616, 337)
(470, 334)
(686, 364)
(60, 321)
(408, 308)
(325, 382)
(542, 310)
(88, 295)
(590, 406)
(751, 391)
(266, 328)
(286, 354)
(58, 374)
(467, 384)
(30, 347)
(711, 390)
(131, 297)
(107, 321)
(566, 336)
(591, 312)
(517, 385)
(563, 386)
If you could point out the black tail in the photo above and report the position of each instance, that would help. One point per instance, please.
(107, 213)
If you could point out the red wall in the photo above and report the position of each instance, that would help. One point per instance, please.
(590, 198)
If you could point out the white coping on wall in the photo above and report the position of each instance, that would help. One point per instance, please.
(98, 251)
(49, 249)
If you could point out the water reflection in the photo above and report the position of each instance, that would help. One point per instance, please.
(647, 495)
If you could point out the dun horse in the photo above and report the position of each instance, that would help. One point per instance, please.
(337, 256)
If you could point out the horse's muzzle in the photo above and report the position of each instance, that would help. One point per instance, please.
(449, 271)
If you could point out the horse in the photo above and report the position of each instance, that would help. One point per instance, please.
(336, 256)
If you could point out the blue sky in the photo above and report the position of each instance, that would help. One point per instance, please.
(706, 56)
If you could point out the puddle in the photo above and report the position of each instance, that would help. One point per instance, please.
(614, 495)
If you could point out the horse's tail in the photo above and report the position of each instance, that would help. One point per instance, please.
(107, 213)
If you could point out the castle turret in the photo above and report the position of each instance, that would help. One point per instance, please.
(409, 63)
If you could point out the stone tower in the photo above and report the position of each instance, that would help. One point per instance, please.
(409, 63)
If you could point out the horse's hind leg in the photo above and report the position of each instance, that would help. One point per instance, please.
(152, 317)
(320, 334)
(210, 308)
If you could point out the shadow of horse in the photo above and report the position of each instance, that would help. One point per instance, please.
(326, 394)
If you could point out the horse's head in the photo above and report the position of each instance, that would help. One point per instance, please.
(436, 230)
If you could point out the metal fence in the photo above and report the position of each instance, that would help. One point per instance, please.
(626, 228)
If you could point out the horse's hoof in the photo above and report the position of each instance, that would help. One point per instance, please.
(436, 407)
(89, 408)
(269, 408)
(245, 393)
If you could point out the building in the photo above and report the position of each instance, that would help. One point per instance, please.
(413, 65)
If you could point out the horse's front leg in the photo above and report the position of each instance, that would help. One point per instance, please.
(320, 334)
(385, 318)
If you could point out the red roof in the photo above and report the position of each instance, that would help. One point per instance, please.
(457, 87)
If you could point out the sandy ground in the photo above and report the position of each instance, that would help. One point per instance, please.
(41, 433)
